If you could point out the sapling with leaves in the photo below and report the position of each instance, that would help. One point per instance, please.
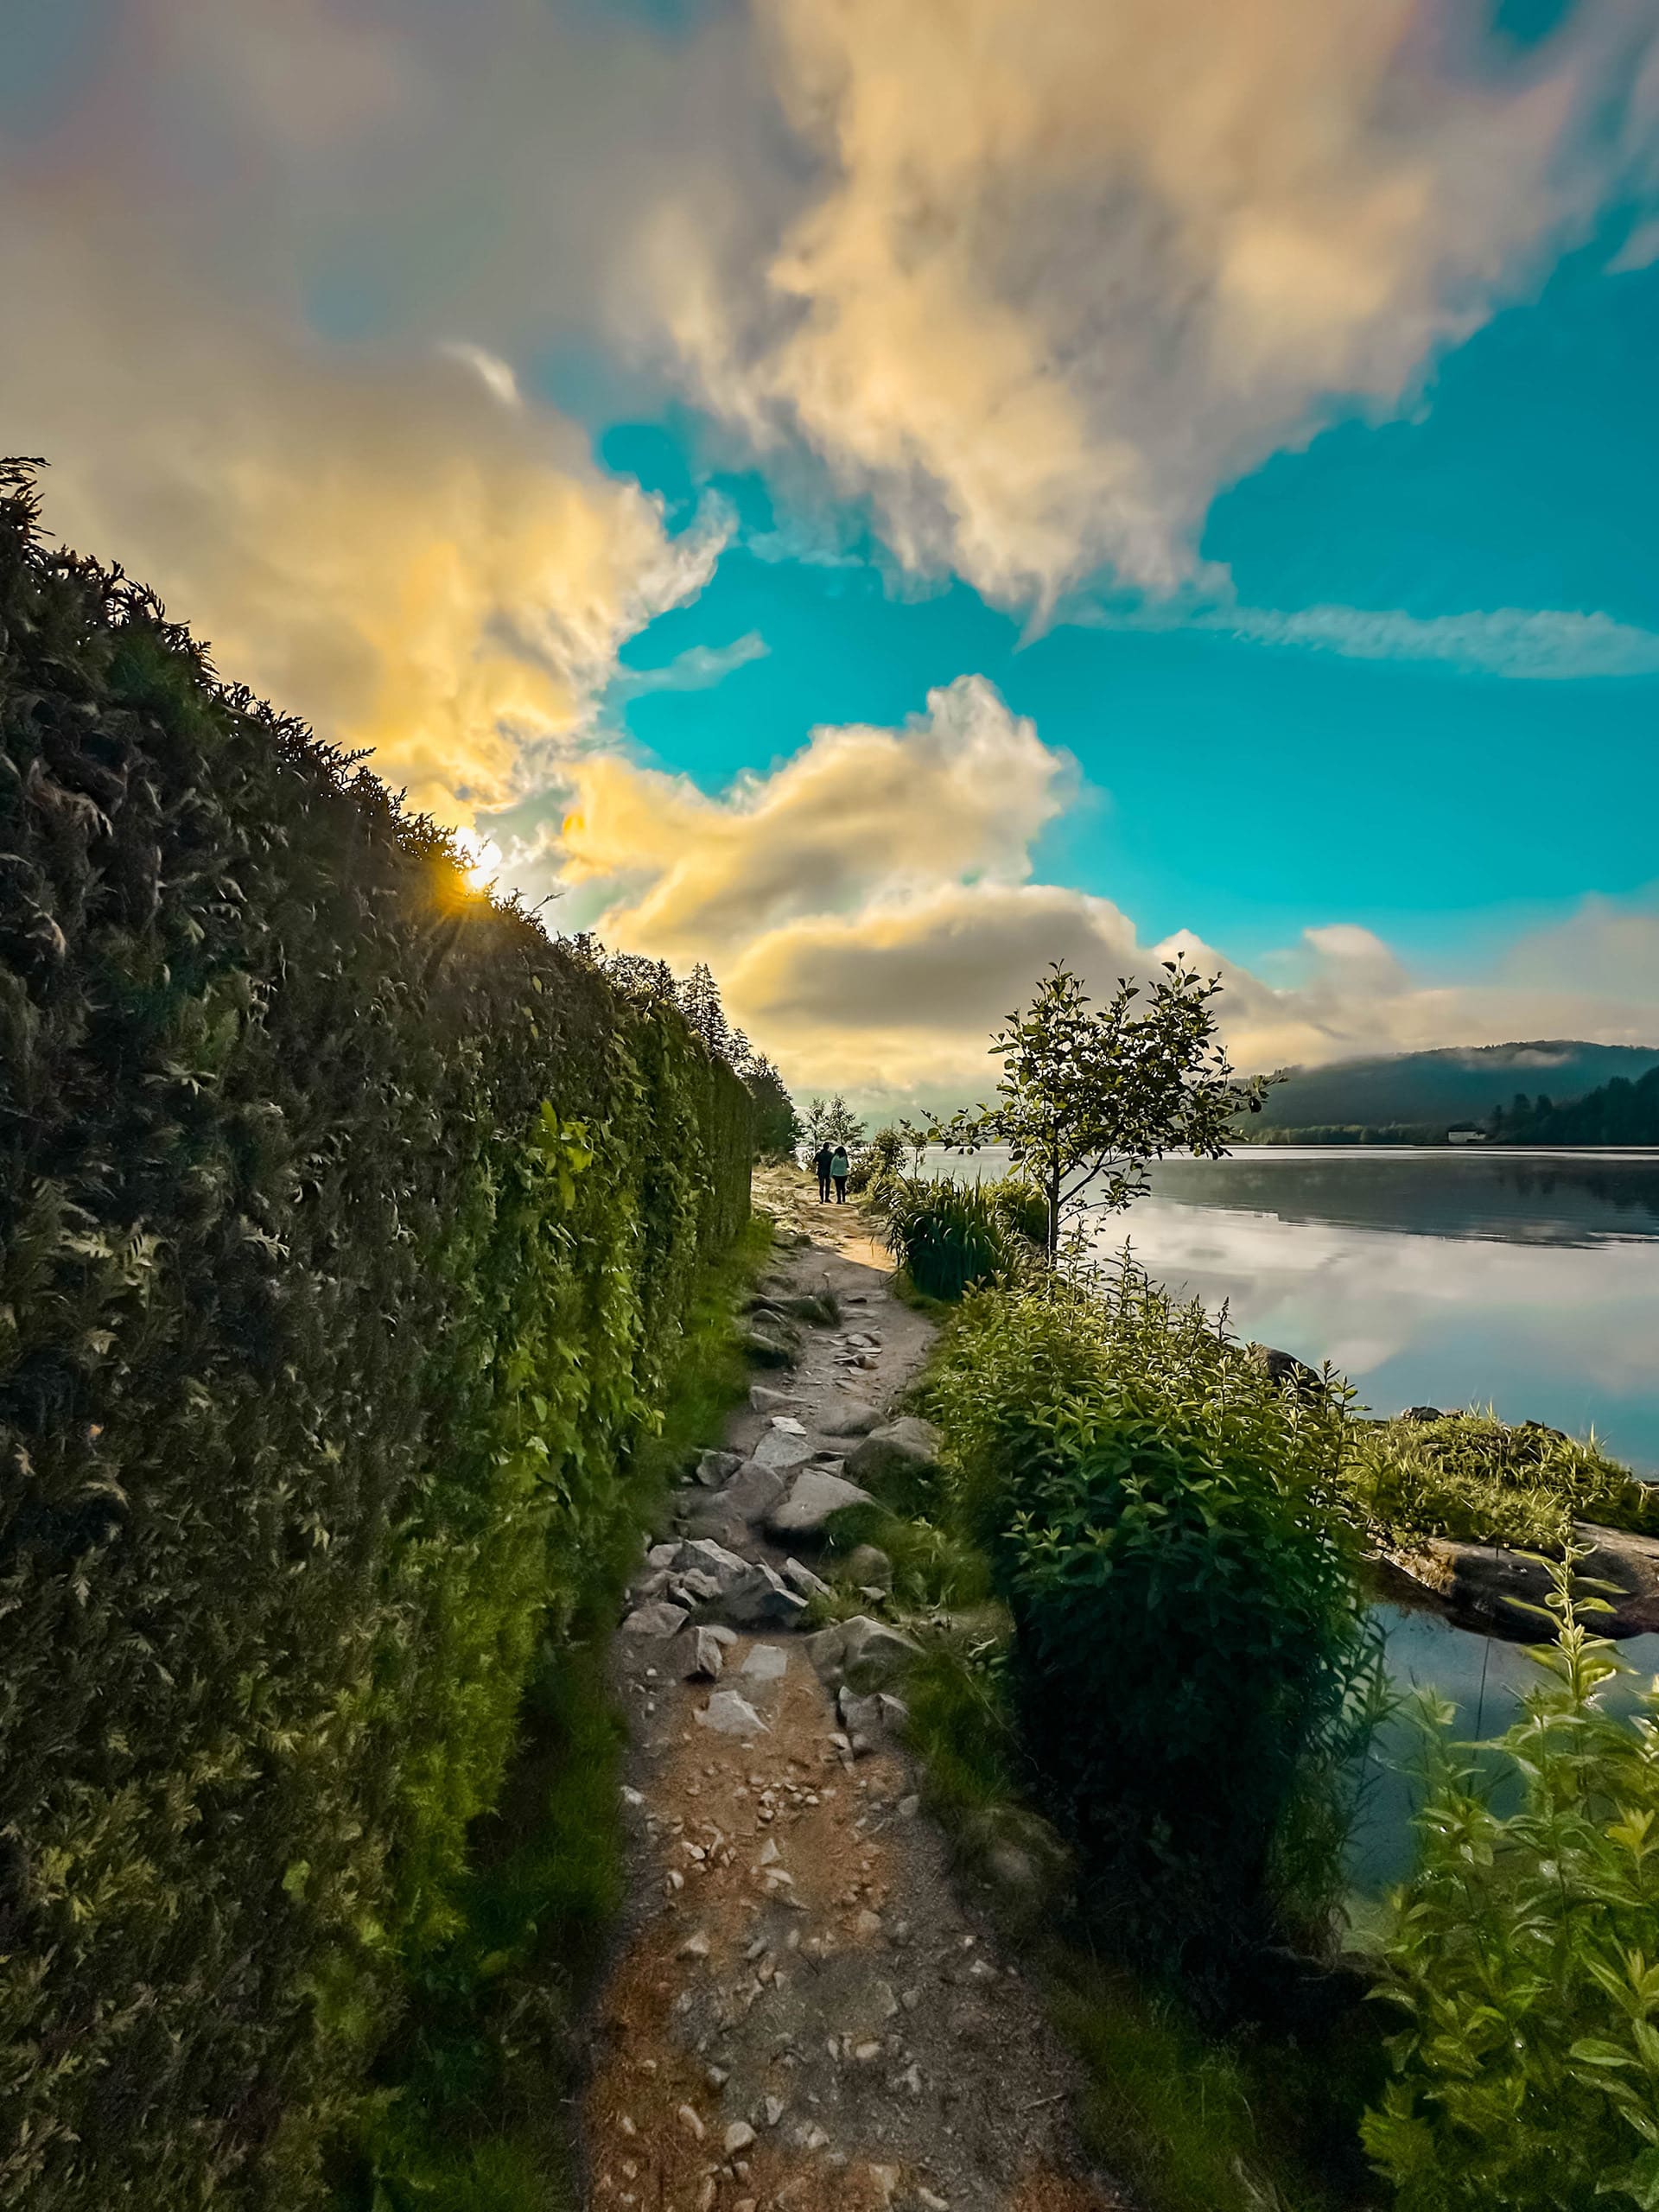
(1091, 1095)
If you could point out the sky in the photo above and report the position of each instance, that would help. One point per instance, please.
(880, 497)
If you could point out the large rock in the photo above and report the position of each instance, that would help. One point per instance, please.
(783, 1448)
(816, 1495)
(803, 1578)
(867, 1568)
(706, 1656)
(714, 1468)
(729, 1714)
(770, 1341)
(906, 1449)
(1285, 1370)
(752, 1491)
(1489, 1589)
(865, 1654)
(765, 1401)
(761, 1599)
(657, 1618)
(851, 1420)
(702, 1554)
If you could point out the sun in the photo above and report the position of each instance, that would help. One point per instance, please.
(481, 857)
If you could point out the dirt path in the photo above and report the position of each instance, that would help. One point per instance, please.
(803, 2015)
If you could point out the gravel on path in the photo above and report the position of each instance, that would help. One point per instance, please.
(803, 2015)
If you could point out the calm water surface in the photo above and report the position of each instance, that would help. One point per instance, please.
(1527, 1280)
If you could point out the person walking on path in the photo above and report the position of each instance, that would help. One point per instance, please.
(822, 1161)
(840, 1167)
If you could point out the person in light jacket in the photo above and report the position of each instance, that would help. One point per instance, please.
(840, 1167)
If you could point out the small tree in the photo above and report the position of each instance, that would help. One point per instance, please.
(1089, 1098)
(841, 1125)
(700, 1002)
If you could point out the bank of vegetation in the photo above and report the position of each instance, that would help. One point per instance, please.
(1147, 1681)
(351, 1232)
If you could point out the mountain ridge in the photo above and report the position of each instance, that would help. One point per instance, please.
(1451, 1083)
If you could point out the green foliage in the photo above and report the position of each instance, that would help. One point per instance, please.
(1087, 1099)
(1191, 1661)
(348, 1226)
(831, 1122)
(1526, 1959)
(1471, 1477)
(777, 1125)
(473, 2098)
(948, 1236)
(1619, 1112)
(880, 1164)
(932, 1567)
(962, 1722)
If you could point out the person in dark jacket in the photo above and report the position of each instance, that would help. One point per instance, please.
(840, 1167)
(821, 1159)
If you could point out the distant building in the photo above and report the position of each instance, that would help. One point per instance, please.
(1466, 1137)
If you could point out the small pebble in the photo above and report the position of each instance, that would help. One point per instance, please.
(691, 2123)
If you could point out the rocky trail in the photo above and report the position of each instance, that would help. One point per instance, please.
(804, 2013)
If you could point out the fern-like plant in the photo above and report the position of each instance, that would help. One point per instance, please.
(1525, 1957)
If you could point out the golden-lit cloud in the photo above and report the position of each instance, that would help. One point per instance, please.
(1069, 270)
(392, 549)
(869, 909)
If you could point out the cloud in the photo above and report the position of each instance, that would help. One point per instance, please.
(378, 544)
(1539, 645)
(870, 909)
(1063, 272)
(493, 372)
(699, 668)
(1639, 250)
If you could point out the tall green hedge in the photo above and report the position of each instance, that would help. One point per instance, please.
(346, 1225)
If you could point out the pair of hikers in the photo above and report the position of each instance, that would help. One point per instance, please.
(833, 1167)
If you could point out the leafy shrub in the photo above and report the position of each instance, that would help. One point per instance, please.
(1471, 1477)
(1191, 1660)
(1526, 1959)
(347, 1225)
(879, 1165)
(1024, 1210)
(950, 1236)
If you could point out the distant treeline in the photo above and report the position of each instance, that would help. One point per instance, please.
(1347, 1133)
(1620, 1112)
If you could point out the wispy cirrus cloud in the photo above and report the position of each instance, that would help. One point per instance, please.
(1528, 645)
(699, 668)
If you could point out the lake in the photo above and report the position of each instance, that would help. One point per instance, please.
(1525, 1279)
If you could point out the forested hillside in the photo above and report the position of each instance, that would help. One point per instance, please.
(348, 1226)
(1420, 1092)
(1619, 1112)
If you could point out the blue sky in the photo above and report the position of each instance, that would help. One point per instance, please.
(1237, 786)
(839, 494)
